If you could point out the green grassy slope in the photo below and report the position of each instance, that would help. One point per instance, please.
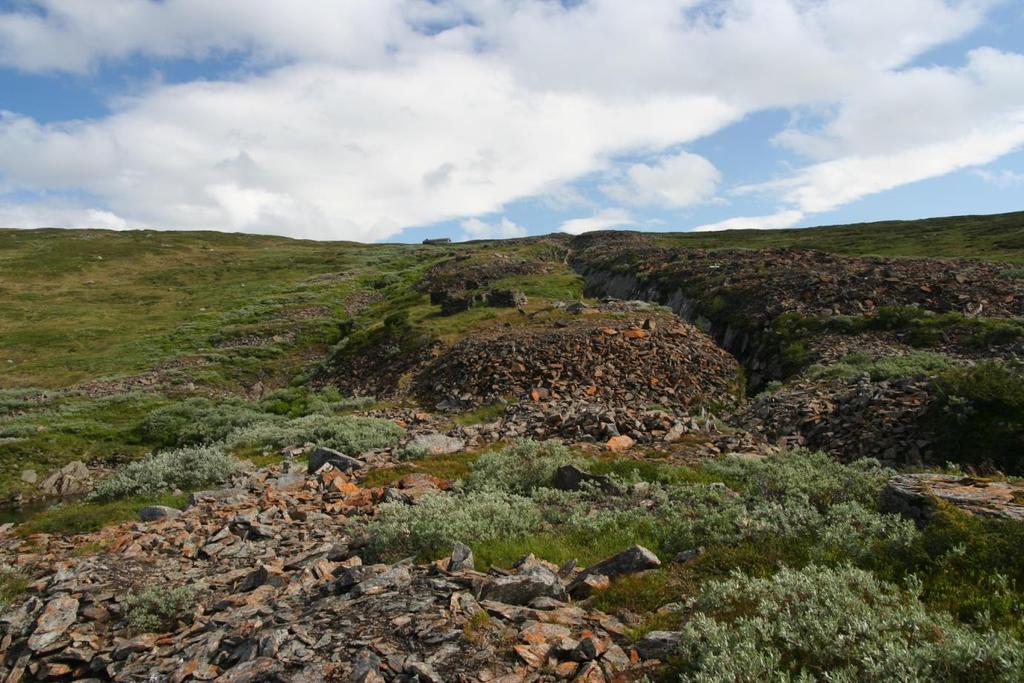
(998, 237)
(76, 305)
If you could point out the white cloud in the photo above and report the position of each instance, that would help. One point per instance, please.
(675, 180)
(775, 221)
(357, 119)
(290, 152)
(56, 214)
(476, 229)
(1002, 178)
(910, 126)
(605, 219)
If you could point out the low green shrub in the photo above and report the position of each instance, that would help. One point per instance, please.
(520, 468)
(198, 421)
(836, 624)
(160, 609)
(346, 433)
(917, 364)
(298, 401)
(970, 566)
(187, 468)
(1012, 274)
(438, 520)
(12, 584)
(804, 474)
(979, 415)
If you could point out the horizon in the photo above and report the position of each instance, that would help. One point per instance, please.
(397, 120)
(862, 224)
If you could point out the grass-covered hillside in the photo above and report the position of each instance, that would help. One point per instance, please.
(995, 238)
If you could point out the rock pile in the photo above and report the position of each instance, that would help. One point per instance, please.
(456, 302)
(765, 283)
(465, 273)
(631, 360)
(850, 419)
(282, 594)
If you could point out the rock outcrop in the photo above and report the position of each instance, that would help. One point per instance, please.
(917, 496)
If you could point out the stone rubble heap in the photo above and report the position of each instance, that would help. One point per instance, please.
(850, 419)
(765, 283)
(284, 594)
(637, 361)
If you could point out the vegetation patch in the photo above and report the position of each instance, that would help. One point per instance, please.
(187, 468)
(979, 415)
(826, 623)
(345, 433)
(160, 609)
(12, 584)
(917, 364)
(86, 517)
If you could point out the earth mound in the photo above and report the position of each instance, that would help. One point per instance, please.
(651, 359)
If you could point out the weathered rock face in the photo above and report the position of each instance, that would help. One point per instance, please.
(462, 274)
(917, 496)
(153, 513)
(629, 561)
(735, 294)
(524, 587)
(765, 283)
(670, 363)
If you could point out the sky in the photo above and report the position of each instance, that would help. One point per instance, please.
(397, 120)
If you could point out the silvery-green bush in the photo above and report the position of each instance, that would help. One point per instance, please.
(804, 474)
(833, 624)
(438, 520)
(159, 609)
(183, 468)
(199, 421)
(345, 433)
(520, 468)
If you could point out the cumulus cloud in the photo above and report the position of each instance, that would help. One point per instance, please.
(476, 229)
(357, 119)
(605, 219)
(289, 151)
(675, 180)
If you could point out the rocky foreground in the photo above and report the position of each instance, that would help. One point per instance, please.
(282, 591)
(285, 595)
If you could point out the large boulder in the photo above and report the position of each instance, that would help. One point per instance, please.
(917, 496)
(630, 561)
(572, 478)
(328, 456)
(533, 582)
(435, 444)
(658, 644)
(155, 513)
(70, 480)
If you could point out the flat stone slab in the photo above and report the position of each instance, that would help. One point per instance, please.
(915, 496)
